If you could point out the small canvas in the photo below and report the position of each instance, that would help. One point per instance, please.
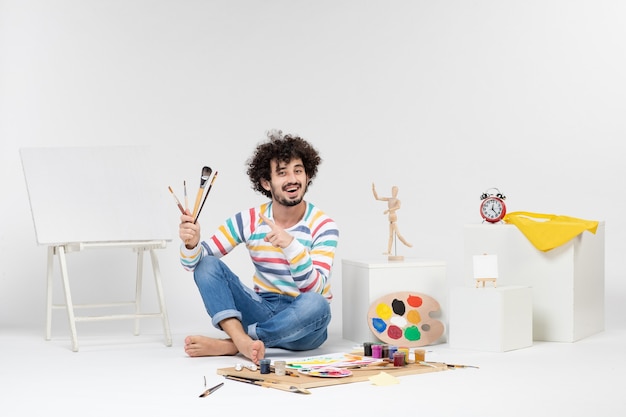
(96, 194)
(485, 266)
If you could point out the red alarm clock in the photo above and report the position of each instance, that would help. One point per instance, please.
(492, 207)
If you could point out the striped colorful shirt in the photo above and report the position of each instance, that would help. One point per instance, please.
(303, 266)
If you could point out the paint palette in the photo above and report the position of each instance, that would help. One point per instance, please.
(404, 318)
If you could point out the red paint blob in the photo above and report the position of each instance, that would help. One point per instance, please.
(414, 301)
(394, 332)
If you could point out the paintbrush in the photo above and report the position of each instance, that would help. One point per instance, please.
(206, 173)
(180, 206)
(205, 196)
(449, 365)
(211, 390)
(269, 384)
(185, 195)
(383, 364)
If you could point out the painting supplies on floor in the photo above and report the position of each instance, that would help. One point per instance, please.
(332, 369)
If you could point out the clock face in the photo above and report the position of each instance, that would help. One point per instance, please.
(492, 209)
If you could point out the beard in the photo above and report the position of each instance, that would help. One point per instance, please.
(288, 202)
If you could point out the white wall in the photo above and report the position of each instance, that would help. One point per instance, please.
(441, 98)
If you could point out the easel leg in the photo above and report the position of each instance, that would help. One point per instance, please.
(159, 288)
(138, 287)
(49, 274)
(68, 297)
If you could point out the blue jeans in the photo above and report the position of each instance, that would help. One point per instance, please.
(282, 321)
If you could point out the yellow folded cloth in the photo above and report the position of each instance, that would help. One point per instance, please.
(548, 231)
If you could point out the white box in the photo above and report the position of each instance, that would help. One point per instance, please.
(363, 282)
(567, 282)
(491, 319)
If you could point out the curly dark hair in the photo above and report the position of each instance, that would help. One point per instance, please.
(282, 148)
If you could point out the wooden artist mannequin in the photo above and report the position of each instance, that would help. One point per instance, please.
(393, 205)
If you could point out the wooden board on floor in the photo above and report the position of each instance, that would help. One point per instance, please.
(358, 375)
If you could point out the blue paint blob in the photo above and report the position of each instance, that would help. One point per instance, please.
(379, 324)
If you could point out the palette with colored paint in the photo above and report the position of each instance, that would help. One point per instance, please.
(327, 372)
(405, 318)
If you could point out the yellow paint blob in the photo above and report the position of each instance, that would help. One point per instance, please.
(413, 316)
(384, 311)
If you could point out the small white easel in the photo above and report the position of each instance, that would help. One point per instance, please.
(96, 198)
(485, 269)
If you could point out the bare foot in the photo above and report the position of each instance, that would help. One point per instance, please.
(196, 346)
(253, 350)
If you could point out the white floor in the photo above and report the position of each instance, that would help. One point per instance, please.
(120, 374)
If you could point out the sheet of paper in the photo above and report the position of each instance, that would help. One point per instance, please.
(337, 360)
(383, 379)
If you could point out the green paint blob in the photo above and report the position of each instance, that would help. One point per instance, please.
(412, 333)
